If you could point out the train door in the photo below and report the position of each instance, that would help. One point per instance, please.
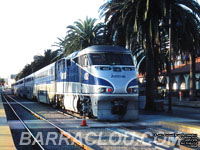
(60, 76)
(84, 76)
(68, 65)
(70, 85)
(85, 104)
(80, 74)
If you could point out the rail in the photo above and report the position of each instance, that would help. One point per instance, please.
(63, 132)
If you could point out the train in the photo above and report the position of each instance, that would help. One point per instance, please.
(98, 81)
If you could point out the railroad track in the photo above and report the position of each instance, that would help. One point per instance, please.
(38, 142)
(144, 135)
(37, 145)
(60, 111)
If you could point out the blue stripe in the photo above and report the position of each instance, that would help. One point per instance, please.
(46, 82)
(133, 83)
(73, 75)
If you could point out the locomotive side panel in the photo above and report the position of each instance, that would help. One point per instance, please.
(74, 89)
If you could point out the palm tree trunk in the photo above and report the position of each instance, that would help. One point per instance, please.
(149, 73)
(156, 70)
(192, 76)
(121, 37)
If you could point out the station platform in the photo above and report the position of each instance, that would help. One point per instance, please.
(6, 139)
(186, 127)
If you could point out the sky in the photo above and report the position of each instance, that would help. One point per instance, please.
(28, 27)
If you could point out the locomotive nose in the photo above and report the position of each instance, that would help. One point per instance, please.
(123, 80)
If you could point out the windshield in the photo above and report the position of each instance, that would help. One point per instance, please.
(111, 59)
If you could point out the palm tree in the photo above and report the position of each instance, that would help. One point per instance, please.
(60, 44)
(61, 48)
(83, 34)
(39, 62)
(112, 11)
(142, 17)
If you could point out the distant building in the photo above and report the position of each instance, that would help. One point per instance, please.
(10, 80)
(180, 77)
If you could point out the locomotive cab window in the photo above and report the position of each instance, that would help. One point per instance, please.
(111, 59)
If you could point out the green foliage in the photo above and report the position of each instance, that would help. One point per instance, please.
(139, 18)
(83, 34)
(39, 62)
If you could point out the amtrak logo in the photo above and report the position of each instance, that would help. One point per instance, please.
(86, 76)
(118, 76)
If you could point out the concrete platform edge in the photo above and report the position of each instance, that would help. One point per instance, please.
(6, 139)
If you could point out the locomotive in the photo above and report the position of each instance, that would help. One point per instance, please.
(98, 81)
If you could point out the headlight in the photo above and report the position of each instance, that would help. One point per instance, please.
(105, 90)
(101, 90)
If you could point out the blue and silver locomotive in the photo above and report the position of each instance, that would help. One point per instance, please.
(99, 81)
